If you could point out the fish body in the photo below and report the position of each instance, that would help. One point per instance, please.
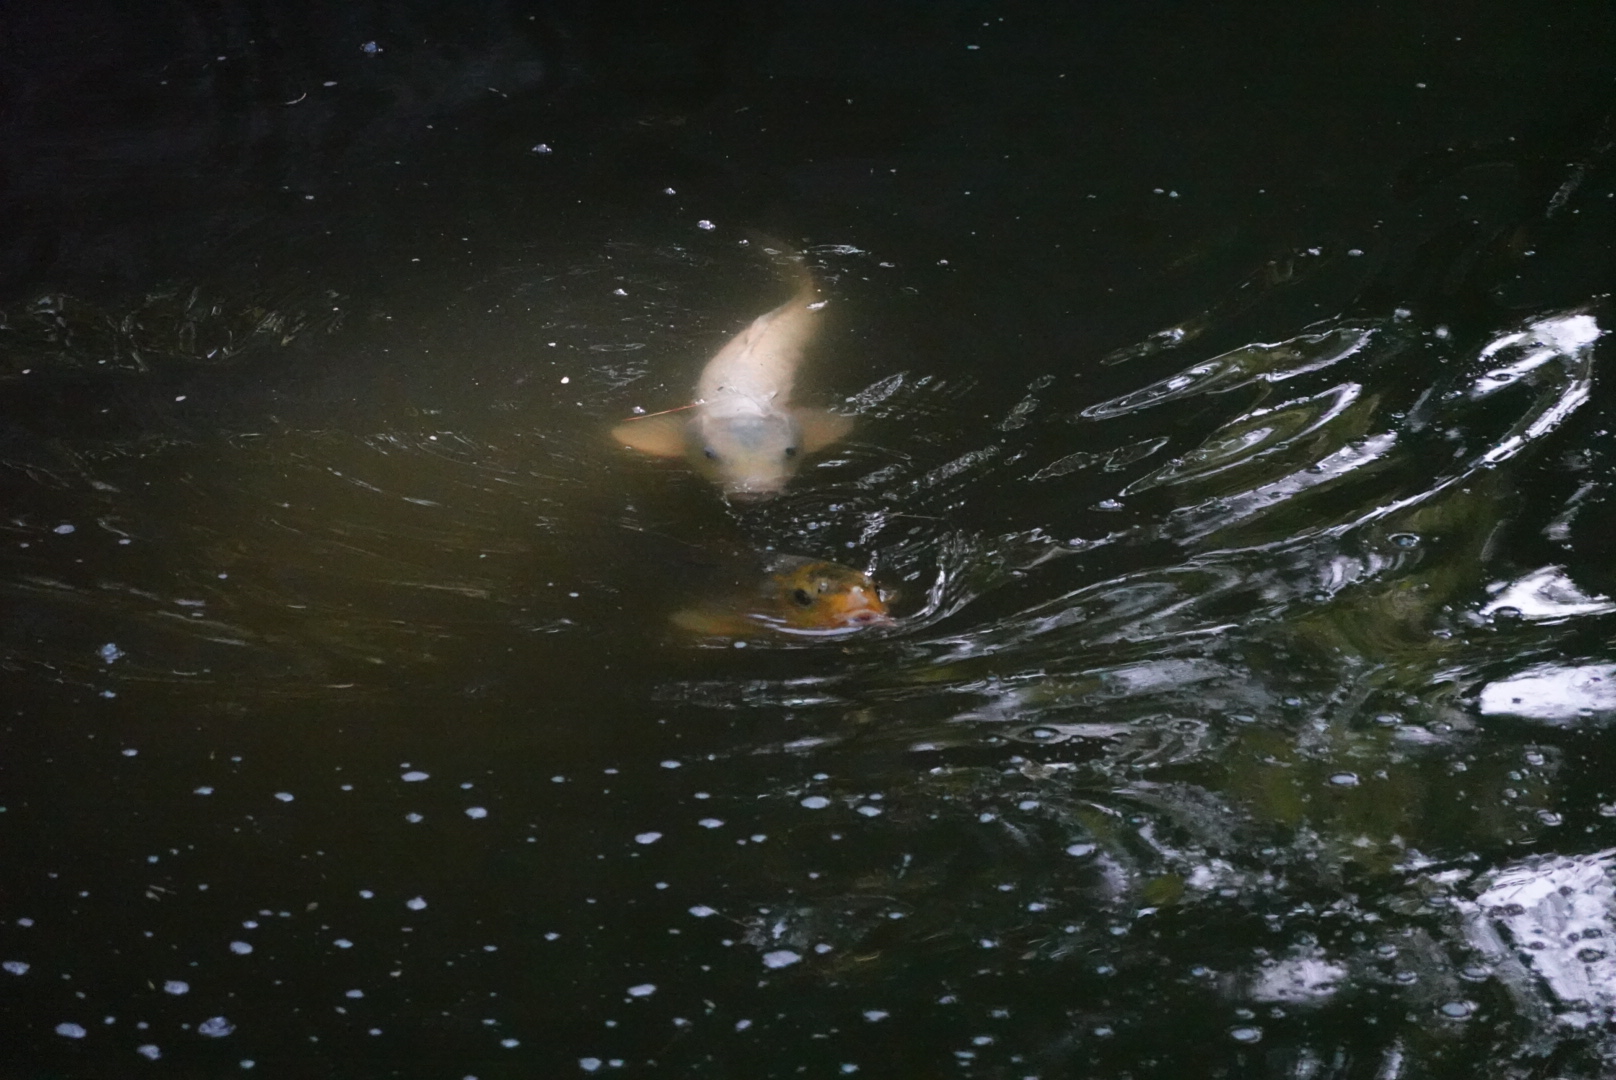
(743, 433)
(794, 596)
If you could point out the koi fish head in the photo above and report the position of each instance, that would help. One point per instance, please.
(795, 596)
(750, 457)
(754, 455)
(813, 595)
(750, 454)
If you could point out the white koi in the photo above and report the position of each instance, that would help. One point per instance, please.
(742, 432)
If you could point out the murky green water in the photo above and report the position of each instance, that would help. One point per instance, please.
(1245, 712)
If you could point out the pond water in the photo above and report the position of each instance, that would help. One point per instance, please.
(1232, 445)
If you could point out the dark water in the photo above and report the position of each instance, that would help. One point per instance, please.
(1234, 441)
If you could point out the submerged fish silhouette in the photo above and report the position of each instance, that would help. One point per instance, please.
(743, 433)
(796, 596)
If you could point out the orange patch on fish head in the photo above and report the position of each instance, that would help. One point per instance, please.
(825, 596)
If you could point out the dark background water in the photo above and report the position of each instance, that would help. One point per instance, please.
(1233, 437)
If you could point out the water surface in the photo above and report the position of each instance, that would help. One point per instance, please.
(1239, 483)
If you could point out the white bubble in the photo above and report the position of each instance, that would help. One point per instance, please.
(203, 791)
(476, 812)
(872, 1015)
(590, 1064)
(816, 802)
(705, 225)
(343, 943)
(176, 987)
(701, 911)
(414, 776)
(15, 967)
(710, 823)
(71, 1031)
(110, 652)
(215, 1027)
(780, 958)
(671, 764)
(149, 1051)
(240, 948)
(415, 903)
(1080, 850)
(284, 796)
(647, 837)
(642, 990)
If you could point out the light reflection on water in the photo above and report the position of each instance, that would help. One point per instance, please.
(361, 719)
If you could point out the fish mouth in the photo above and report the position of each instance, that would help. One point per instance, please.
(751, 495)
(842, 625)
(862, 611)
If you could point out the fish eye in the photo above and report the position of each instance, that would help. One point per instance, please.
(801, 596)
(712, 455)
(791, 451)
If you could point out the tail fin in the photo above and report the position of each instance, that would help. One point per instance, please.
(790, 263)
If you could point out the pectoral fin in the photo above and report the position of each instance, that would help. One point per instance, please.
(820, 428)
(663, 436)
